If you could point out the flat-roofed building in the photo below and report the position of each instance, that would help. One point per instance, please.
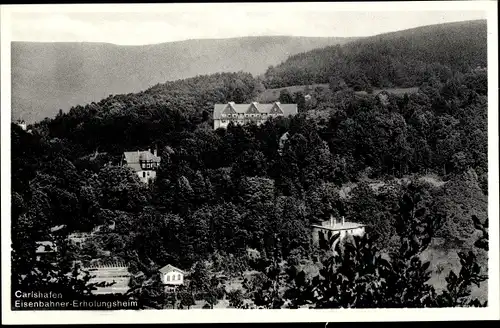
(328, 228)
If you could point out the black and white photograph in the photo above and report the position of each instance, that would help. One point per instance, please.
(229, 161)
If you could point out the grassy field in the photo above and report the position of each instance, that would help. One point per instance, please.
(396, 91)
(271, 95)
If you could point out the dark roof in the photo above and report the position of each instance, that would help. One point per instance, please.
(169, 268)
(288, 109)
(133, 158)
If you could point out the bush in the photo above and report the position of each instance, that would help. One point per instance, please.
(235, 297)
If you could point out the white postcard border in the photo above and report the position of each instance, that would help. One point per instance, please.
(233, 315)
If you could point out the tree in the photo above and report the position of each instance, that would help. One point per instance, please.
(250, 163)
(337, 84)
(122, 189)
(206, 284)
(291, 226)
(265, 289)
(299, 99)
(324, 201)
(151, 294)
(457, 292)
(186, 298)
(285, 97)
(235, 297)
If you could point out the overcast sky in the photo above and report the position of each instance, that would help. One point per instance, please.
(193, 21)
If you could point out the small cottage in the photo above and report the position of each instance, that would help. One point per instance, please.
(21, 124)
(143, 163)
(171, 275)
(45, 250)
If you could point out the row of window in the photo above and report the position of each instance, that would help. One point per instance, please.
(240, 121)
(248, 115)
(173, 277)
(148, 165)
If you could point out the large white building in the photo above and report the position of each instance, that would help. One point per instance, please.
(253, 112)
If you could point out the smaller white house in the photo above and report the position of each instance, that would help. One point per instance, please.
(22, 124)
(45, 249)
(332, 227)
(171, 275)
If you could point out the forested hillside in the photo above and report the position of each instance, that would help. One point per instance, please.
(47, 77)
(220, 194)
(400, 59)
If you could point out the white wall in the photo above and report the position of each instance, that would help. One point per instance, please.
(359, 231)
(173, 277)
(356, 232)
(343, 233)
(150, 174)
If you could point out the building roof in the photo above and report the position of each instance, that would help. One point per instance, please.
(169, 268)
(288, 109)
(45, 247)
(133, 158)
(339, 226)
(57, 228)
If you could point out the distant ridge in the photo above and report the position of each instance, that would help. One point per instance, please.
(398, 59)
(50, 76)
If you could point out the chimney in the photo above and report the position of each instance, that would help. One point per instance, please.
(149, 150)
(155, 151)
(331, 220)
(343, 220)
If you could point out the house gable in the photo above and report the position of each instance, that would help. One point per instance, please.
(170, 268)
(229, 109)
(252, 109)
(276, 109)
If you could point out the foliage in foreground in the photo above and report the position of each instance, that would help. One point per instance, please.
(356, 274)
